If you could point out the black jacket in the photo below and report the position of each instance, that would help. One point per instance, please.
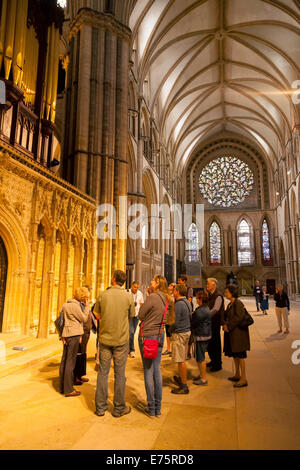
(282, 300)
(218, 318)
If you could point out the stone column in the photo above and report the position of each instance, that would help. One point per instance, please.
(83, 108)
(139, 200)
(257, 246)
(226, 248)
(47, 285)
(63, 279)
(31, 278)
(234, 248)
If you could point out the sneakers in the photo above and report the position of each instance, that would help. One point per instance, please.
(200, 382)
(180, 391)
(125, 412)
(132, 354)
(149, 413)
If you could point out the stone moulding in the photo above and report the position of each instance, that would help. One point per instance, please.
(100, 20)
(10, 157)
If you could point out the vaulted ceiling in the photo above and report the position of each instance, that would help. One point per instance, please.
(219, 65)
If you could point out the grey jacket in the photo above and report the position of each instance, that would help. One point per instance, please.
(74, 318)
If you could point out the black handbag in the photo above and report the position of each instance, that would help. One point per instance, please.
(60, 323)
(246, 321)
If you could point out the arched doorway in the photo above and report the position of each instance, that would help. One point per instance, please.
(3, 276)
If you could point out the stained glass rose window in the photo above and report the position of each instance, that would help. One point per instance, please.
(226, 181)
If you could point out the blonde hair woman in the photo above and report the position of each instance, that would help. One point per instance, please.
(71, 337)
(151, 315)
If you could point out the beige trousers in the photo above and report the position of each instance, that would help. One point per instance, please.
(282, 313)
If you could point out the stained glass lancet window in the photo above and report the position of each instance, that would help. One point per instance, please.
(215, 243)
(226, 181)
(245, 244)
(266, 251)
(192, 245)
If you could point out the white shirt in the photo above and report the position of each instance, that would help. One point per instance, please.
(137, 298)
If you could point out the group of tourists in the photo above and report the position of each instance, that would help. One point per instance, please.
(282, 304)
(166, 307)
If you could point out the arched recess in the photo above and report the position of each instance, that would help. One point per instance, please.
(15, 309)
(229, 144)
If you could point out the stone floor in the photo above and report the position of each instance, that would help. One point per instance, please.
(266, 415)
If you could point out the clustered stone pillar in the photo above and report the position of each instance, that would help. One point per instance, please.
(96, 135)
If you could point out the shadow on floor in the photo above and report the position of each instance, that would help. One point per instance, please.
(275, 337)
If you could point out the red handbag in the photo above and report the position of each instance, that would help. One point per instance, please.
(150, 346)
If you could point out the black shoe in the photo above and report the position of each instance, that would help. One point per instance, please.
(177, 380)
(209, 364)
(166, 353)
(125, 412)
(215, 369)
(180, 391)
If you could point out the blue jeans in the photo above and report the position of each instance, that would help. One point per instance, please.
(257, 302)
(119, 355)
(152, 377)
(132, 327)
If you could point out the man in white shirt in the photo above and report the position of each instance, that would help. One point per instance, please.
(138, 302)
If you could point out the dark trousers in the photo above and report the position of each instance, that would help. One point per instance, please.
(257, 298)
(214, 346)
(68, 361)
(80, 366)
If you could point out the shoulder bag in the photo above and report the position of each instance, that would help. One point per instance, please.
(150, 346)
(246, 321)
(60, 323)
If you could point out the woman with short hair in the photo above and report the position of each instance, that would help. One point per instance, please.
(71, 337)
(236, 339)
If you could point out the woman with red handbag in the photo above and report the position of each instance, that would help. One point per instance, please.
(157, 310)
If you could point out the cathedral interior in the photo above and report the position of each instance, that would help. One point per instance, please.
(162, 102)
(156, 137)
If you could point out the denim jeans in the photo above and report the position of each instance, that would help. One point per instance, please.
(153, 378)
(257, 302)
(132, 327)
(119, 355)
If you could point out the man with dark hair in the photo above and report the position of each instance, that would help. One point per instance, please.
(181, 331)
(216, 306)
(138, 302)
(114, 308)
(182, 279)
